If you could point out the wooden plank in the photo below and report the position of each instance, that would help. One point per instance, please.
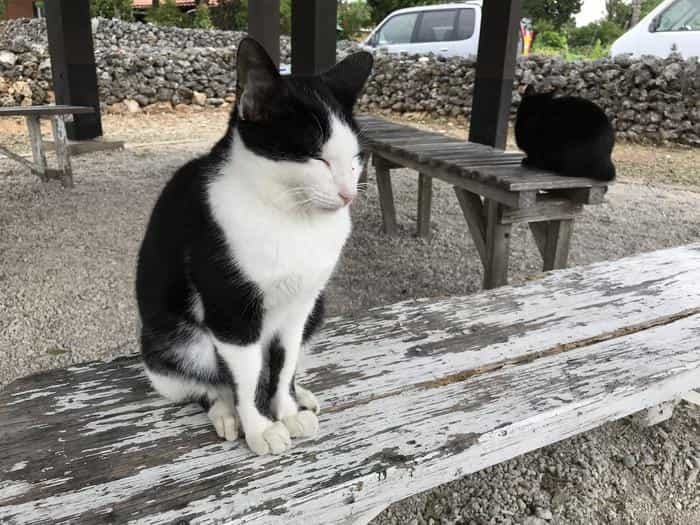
(462, 178)
(425, 199)
(517, 178)
(594, 195)
(473, 212)
(62, 153)
(48, 110)
(37, 144)
(438, 431)
(497, 246)
(386, 195)
(542, 211)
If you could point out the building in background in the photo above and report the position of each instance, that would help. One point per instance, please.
(19, 9)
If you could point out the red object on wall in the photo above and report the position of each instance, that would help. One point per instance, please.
(19, 9)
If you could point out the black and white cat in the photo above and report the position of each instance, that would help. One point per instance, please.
(240, 245)
(569, 135)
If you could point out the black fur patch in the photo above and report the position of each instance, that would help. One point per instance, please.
(569, 135)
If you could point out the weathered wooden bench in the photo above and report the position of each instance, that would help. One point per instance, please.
(511, 193)
(413, 395)
(57, 114)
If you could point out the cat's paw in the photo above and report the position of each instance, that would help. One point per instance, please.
(275, 439)
(306, 400)
(302, 424)
(224, 419)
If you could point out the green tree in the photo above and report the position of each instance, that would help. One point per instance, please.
(285, 17)
(121, 9)
(231, 15)
(618, 12)
(605, 32)
(352, 17)
(202, 20)
(167, 14)
(648, 5)
(381, 8)
(557, 12)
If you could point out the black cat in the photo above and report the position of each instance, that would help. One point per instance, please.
(568, 135)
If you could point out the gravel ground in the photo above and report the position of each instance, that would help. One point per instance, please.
(67, 263)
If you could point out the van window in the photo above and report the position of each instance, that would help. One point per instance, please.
(683, 15)
(397, 30)
(437, 26)
(465, 24)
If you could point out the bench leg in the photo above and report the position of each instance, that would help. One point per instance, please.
(473, 211)
(62, 153)
(655, 415)
(386, 195)
(425, 199)
(34, 127)
(553, 239)
(497, 247)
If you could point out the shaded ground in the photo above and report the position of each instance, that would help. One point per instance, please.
(66, 295)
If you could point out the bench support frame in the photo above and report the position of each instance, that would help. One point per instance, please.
(550, 217)
(38, 164)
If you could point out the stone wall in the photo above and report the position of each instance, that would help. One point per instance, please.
(141, 65)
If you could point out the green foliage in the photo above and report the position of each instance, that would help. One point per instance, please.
(285, 17)
(167, 14)
(231, 15)
(352, 17)
(558, 12)
(619, 12)
(121, 9)
(648, 5)
(202, 20)
(2, 7)
(381, 8)
(605, 32)
(553, 40)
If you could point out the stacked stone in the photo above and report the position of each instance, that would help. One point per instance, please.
(141, 65)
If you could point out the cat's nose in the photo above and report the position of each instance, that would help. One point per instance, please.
(346, 196)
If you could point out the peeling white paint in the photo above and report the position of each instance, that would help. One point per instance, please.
(396, 421)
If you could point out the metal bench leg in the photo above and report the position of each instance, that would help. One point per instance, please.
(34, 127)
(425, 199)
(497, 247)
(553, 239)
(62, 153)
(386, 195)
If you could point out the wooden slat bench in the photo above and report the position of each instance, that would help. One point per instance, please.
(511, 193)
(413, 395)
(57, 114)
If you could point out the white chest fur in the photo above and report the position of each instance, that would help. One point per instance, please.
(290, 256)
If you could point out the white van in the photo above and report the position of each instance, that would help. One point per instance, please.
(447, 30)
(673, 24)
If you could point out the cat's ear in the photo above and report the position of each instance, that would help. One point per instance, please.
(347, 78)
(257, 81)
(529, 91)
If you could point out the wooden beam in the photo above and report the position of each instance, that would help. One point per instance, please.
(313, 36)
(386, 195)
(264, 26)
(425, 199)
(495, 70)
(497, 246)
(73, 64)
